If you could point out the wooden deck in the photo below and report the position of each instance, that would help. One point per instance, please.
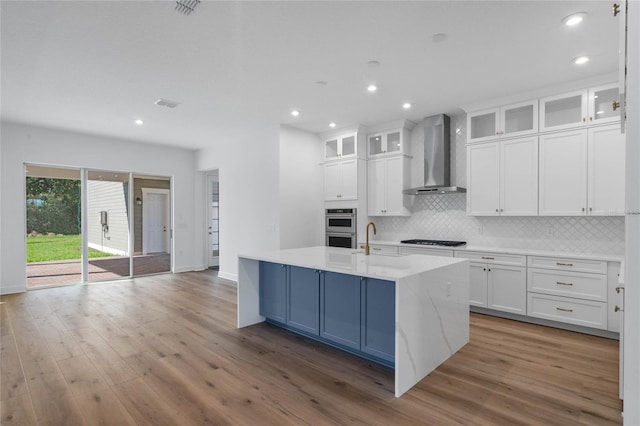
(164, 350)
(45, 274)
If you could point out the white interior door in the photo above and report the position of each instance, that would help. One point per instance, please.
(155, 221)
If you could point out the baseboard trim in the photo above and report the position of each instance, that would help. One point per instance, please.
(228, 276)
(177, 270)
(12, 290)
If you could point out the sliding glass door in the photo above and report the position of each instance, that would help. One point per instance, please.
(95, 225)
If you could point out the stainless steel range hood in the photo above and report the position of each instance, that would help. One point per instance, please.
(435, 135)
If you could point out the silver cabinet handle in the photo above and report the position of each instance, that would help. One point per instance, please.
(565, 310)
(376, 248)
(487, 257)
(564, 264)
(619, 289)
(618, 309)
(561, 283)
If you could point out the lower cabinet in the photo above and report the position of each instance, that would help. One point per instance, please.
(273, 291)
(377, 333)
(303, 296)
(352, 312)
(499, 287)
(340, 309)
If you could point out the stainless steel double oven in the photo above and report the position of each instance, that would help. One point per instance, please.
(340, 227)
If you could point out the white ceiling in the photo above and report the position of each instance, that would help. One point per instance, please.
(95, 66)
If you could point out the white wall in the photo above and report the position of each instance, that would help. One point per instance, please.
(301, 189)
(249, 195)
(27, 144)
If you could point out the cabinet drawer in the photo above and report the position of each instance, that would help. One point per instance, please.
(572, 284)
(383, 249)
(565, 309)
(566, 264)
(427, 251)
(502, 259)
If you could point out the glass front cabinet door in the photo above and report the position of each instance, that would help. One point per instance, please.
(604, 104)
(563, 111)
(340, 147)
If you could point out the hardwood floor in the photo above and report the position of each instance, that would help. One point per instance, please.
(164, 350)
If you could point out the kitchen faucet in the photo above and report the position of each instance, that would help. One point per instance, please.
(366, 244)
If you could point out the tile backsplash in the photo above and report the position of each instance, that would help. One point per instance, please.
(444, 217)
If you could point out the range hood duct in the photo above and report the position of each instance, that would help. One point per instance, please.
(436, 139)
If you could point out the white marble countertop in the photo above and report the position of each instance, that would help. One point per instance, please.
(354, 262)
(520, 251)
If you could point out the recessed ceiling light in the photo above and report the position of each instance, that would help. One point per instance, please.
(139, 122)
(406, 105)
(440, 37)
(332, 124)
(581, 60)
(574, 19)
(295, 113)
(372, 88)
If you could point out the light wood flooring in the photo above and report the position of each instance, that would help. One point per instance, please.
(164, 350)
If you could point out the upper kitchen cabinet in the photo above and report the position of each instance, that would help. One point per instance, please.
(341, 147)
(391, 142)
(503, 178)
(387, 179)
(341, 180)
(507, 121)
(604, 104)
(597, 105)
(582, 172)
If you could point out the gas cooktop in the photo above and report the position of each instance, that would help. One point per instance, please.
(435, 243)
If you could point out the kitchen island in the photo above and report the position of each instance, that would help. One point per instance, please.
(408, 312)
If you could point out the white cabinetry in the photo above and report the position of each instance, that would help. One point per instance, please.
(343, 146)
(503, 178)
(507, 121)
(429, 251)
(341, 180)
(390, 142)
(387, 178)
(597, 105)
(497, 281)
(563, 174)
(573, 291)
(582, 172)
(606, 171)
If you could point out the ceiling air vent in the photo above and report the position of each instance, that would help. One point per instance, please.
(186, 7)
(167, 103)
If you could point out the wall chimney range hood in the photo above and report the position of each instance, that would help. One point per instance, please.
(436, 139)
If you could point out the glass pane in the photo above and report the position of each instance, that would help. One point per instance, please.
(108, 224)
(483, 125)
(563, 111)
(393, 142)
(375, 144)
(349, 145)
(214, 226)
(54, 242)
(151, 225)
(518, 119)
(331, 149)
(603, 102)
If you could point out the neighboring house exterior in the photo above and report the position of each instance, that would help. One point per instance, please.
(109, 197)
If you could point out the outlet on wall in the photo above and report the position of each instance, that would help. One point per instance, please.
(550, 231)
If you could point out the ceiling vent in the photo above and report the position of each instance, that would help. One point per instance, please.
(167, 103)
(186, 7)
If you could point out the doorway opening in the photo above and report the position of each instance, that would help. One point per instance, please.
(213, 219)
(152, 225)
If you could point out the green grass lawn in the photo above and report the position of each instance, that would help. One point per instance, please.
(58, 247)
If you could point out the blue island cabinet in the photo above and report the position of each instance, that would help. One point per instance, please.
(340, 309)
(303, 299)
(273, 291)
(378, 322)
